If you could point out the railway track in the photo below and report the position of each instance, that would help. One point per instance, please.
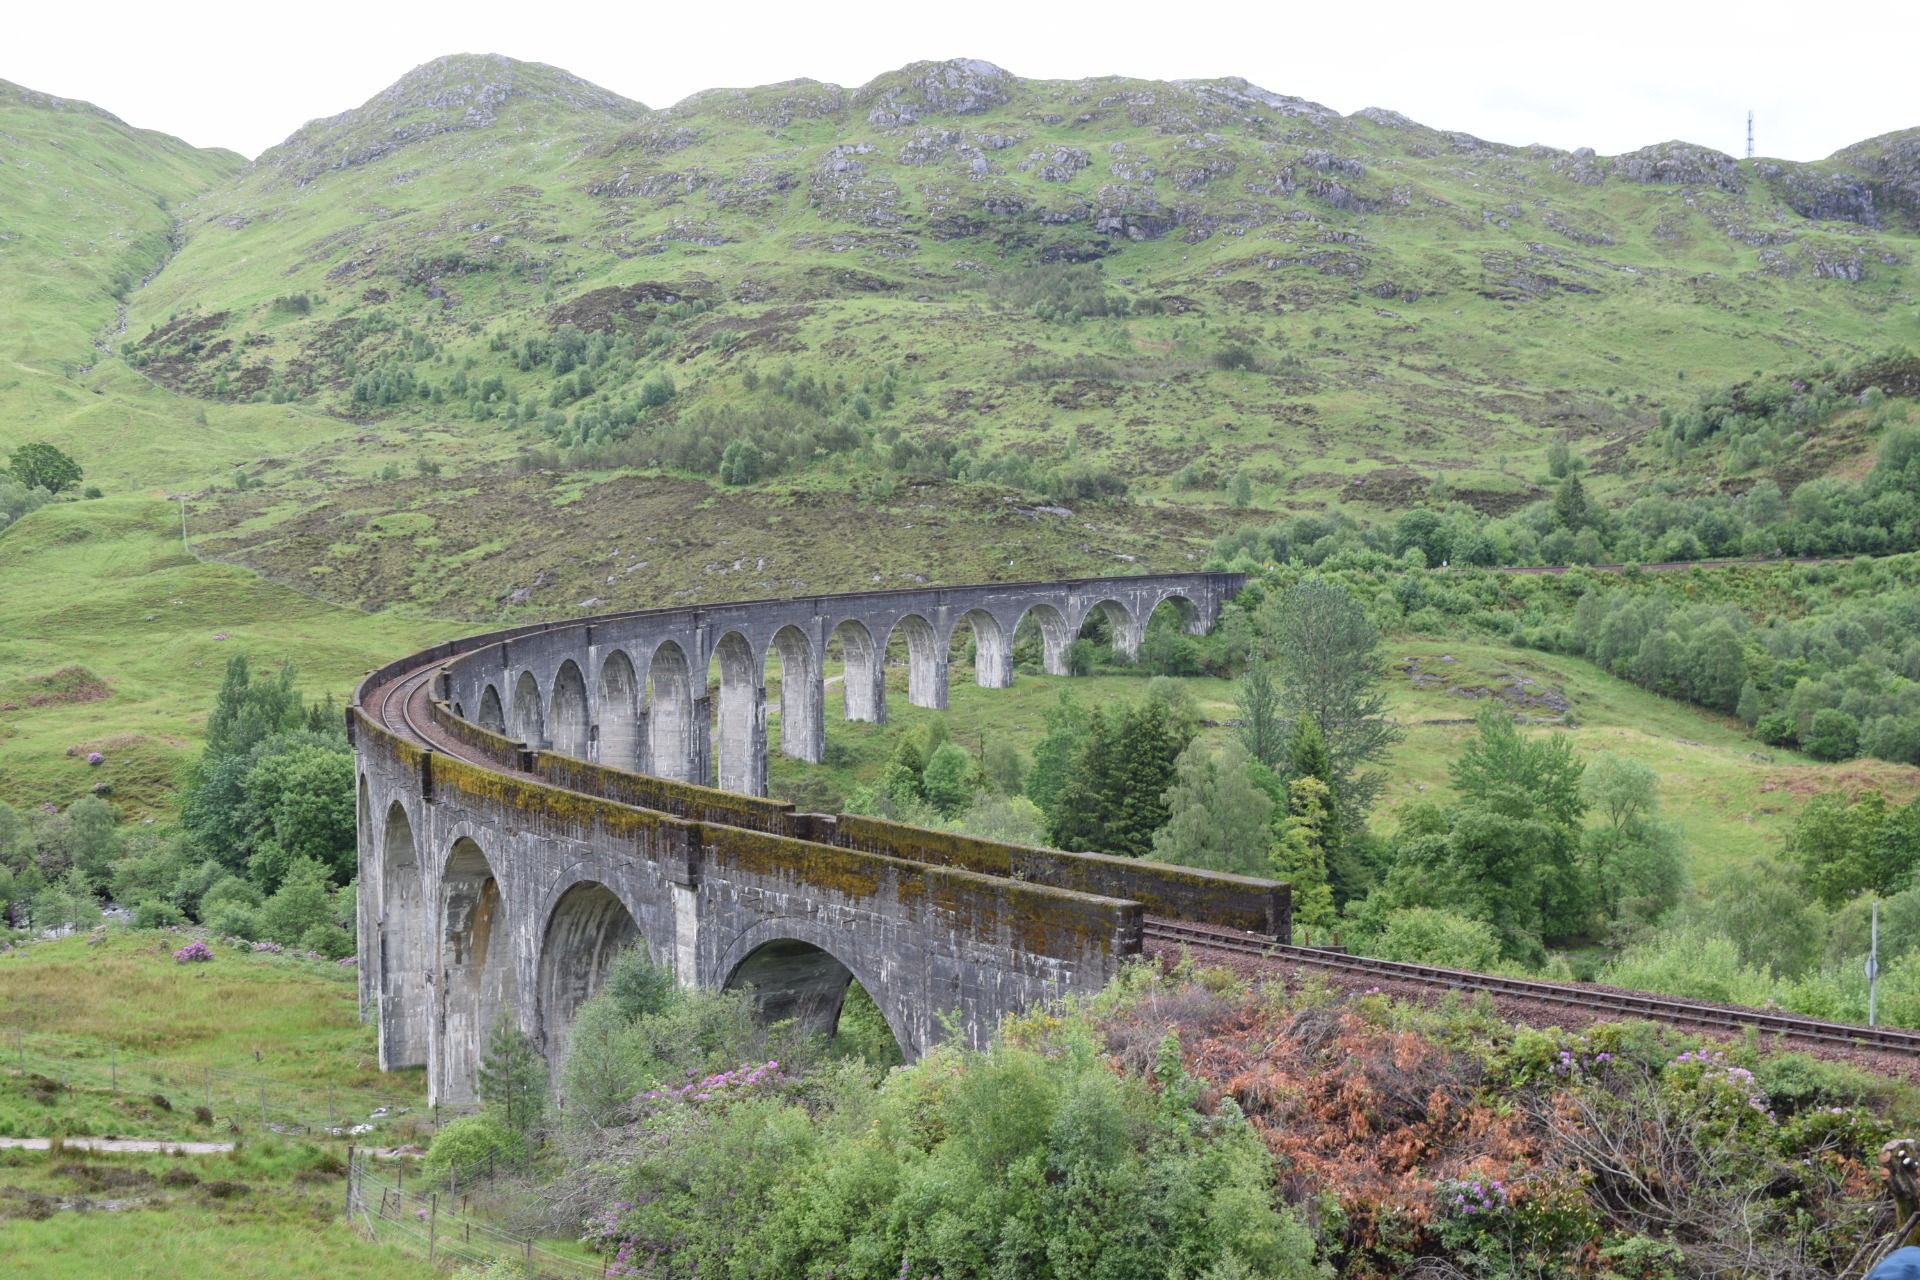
(397, 710)
(1665, 1009)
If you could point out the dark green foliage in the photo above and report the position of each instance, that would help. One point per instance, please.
(1114, 797)
(1842, 848)
(39, 465)
(513, 1077)
(948, 779)
(1326, 651)
(741, 463)
(1065, 292)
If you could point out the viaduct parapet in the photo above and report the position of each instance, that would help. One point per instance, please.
(533, 801)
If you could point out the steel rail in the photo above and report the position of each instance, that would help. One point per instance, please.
(1657, 1008)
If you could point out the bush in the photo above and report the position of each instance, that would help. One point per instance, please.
(467, 1142)
(1428, 935)
(152, 914)
(234, 919)
(1835, 736)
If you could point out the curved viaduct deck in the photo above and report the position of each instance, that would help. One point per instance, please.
(527, 808)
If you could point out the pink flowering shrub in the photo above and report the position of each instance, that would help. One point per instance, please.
(95, 759)
(193, 952)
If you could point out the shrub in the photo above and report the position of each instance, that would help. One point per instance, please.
(1428, 935)
(195, 952)
(467, 1142)
(156, 915)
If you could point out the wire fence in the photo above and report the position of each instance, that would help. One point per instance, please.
(428, 1218)
(210, 1095)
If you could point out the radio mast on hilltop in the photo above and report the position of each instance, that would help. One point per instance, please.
(1749, 133)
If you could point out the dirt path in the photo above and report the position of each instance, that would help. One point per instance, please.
(149, 1146)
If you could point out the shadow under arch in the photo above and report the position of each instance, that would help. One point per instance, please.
(670, 714)
(492, 715)
(862, 679)
(588, 928)
(528, 725)
(926, 666)
(404, 938)
(802, 726)
(1119, 624)
(992, 652)
(740, 737)
(478, 976)
(1054, 636)
(795, 980)
(620, 730)
(567, 712)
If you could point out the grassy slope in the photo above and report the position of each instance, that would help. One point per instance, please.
(279, 1019)
(113, 590)
(1472, 377)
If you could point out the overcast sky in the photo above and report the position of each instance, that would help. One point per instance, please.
(1613, 76)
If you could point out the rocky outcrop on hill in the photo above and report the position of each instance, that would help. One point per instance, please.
(463, 92)
(1680, 164)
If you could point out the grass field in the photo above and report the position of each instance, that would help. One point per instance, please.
(272, 1208)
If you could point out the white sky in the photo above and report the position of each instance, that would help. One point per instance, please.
(1613, 76)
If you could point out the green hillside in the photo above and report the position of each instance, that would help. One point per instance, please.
(499, 343)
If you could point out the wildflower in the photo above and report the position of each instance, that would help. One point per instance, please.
(193, 952)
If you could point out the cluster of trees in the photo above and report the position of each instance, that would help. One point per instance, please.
(36, 473)
(265, 849)
(1844, 682)
(1796, 931)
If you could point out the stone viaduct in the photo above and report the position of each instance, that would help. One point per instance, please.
(533, 801)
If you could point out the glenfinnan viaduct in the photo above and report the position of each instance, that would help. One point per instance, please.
(532, 801)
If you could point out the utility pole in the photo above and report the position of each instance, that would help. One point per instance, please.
(1749, 133)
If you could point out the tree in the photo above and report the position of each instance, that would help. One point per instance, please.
(1842, 848)
(41, 466)
(947, 780)
(1216, 817)
(303, 901)
(1257, 696)
(741, 463)
(1835, 735)
(1632, 857)
(1067, 726)
(1114, 797)
(1570, 509)
(1299, 855)
(1328, 654)
(513, 1077)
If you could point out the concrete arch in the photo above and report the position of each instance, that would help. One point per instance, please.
(926, 661)
(404, 943)
(1193, 621)
(863, 672)
(527, 724)
(803, 730)
(1120, 622)
(992, 649)
(795, 974)
(567, 723)
(479, 981)
(1055, 637)
(670, 728)
(492, 715)
(588, 927)
(740, 738)
(621, 730)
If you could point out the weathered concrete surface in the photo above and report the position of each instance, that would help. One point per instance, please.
(550, 818)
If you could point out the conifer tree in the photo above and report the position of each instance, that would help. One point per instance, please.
(513, 1077)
